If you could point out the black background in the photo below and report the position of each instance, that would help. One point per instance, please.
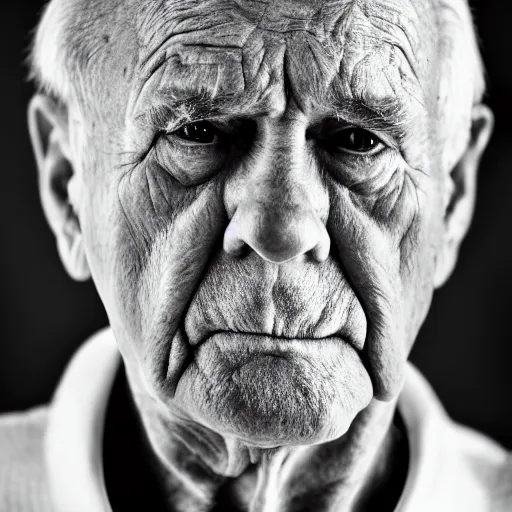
(463, 349)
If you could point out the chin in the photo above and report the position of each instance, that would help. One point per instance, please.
(270, 392)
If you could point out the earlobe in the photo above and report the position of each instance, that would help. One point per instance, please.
(49, 134)
(462, 193)
(73, 257)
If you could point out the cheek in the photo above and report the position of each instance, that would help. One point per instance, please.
(414, 228)
(385, 240)
(419, 245)
(156, 237)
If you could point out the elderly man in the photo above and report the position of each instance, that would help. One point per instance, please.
(266, 194)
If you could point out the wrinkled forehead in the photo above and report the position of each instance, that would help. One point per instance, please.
(256, 54)
(336, 24)
(368, 50)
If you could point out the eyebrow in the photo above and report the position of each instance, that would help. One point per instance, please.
(191, 108)
(388, 114)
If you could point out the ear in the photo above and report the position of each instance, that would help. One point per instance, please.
(49, 134)
(462, 185)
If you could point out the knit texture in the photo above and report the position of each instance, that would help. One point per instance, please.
(23, 486)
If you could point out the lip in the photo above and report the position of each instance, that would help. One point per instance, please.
(278, 342)
(246, 347)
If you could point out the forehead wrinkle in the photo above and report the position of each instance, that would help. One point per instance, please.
(212, 23)
(226, 22)
(354, 32)
(409, 29)
(357, 64)
(355, 24)
(373, 38)
(387, 24)
(185, 32)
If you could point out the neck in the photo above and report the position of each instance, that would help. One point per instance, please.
(195, 468)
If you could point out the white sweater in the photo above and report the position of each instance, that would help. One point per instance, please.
(51, 461)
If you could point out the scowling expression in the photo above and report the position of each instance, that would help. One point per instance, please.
(264, 204)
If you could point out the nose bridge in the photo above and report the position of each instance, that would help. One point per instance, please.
(279, 206)
(280, 184)
(281, 177)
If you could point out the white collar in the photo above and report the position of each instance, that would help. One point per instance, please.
(73, 444)
(74, 437)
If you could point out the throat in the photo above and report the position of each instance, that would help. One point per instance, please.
(383, 489)
(130, 477)
(364, 470)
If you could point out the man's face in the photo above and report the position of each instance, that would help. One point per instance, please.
(268, 125)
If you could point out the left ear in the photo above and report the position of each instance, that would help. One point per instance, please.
(463, 178)
(49, 134)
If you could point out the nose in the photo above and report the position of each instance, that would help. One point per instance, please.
(280, 209)
(275, 234)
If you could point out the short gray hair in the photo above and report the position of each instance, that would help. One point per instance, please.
(461, 63)
(66, 40)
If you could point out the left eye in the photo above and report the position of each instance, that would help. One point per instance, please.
(202, 132)
(355, 140)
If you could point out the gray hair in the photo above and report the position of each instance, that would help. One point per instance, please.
(461, 65)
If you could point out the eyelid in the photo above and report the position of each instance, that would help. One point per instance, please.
(388, 137)
(191, 143)
(174, 126)
(381, 144)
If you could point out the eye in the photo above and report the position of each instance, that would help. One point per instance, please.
(355, 140)
(201, 132)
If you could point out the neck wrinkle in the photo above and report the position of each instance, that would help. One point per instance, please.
(195, 463)
(189, 460)
(339, 475)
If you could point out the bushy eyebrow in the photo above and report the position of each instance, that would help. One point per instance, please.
(387, 114)
(190, 109)
(384, 114)
(169, 110)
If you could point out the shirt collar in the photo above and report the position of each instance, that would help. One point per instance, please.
(73, 446)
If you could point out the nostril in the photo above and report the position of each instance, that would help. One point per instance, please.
(233, 244)
(322, 249)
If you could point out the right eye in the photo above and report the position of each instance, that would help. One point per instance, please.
(355, 140)
(194, 152)
(197, 151)
(201, 132)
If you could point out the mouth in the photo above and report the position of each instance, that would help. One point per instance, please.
(273, 343)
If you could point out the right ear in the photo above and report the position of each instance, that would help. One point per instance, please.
(49, 134)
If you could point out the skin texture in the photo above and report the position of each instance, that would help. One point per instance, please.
(265, 289)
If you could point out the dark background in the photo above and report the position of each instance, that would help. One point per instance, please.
(464, 348)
